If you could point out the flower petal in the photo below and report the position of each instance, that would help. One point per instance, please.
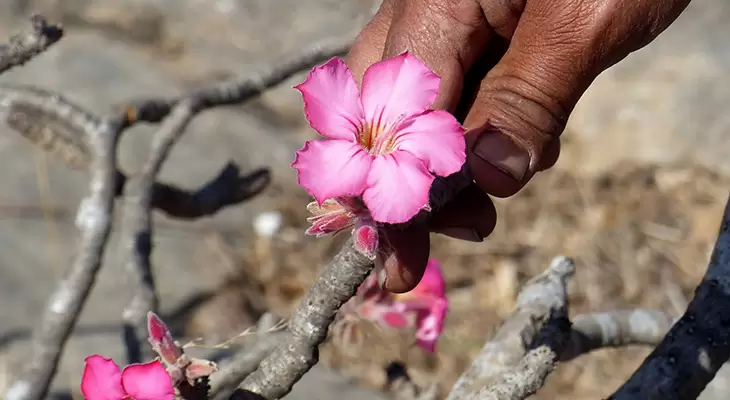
(397, 187)
(431, 324)
(332, 101)
(332, 168)
(396, 87)
(436, 138)
(102, 379)
(148, 381)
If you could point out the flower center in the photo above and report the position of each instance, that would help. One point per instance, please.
(378, 137)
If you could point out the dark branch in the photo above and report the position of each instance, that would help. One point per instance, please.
(698, 344)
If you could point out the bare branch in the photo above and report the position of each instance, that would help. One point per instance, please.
(65, 304)
(56, 125)
(698, 344)
(504, 369)
(137, 232)
(237, 91)
(616, 328)
(308, 327)
(25, 45)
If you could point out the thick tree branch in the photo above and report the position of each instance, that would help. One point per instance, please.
(66, 303)
(308, 327)
(525, 349)
(698, 344)
(615, 329)
(24, 46)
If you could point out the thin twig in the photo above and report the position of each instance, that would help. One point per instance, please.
(139, 190)
(66, 303)
(308, 327)
(240, 90)
(698, 344)
(502, 370)
(22, 47)
(137, 232)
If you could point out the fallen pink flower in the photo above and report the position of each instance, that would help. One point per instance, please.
(102, 380)
(423, 308)
(383, 143)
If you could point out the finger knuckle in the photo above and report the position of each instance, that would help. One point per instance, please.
(521, 107)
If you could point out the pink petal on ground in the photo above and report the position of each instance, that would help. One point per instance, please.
(396, 87)
(394, 319)
(431, 324)
(332, 101)
(397, 187)
(332, 168)
(436, 138)
(148, 381)
(102, 379)
(433, 282)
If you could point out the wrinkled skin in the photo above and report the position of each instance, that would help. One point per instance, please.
(512, 71)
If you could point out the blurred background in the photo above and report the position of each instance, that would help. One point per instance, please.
(636, 196)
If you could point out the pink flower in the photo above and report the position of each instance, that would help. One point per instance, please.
(102, 380)
(383, 144)
(428, 300)
(423, 308)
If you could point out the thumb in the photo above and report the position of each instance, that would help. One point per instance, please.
(523, 103)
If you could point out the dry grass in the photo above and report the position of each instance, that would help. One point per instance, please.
(641, 236)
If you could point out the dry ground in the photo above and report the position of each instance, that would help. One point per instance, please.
(641, 237)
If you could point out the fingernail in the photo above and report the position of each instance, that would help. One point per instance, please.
(381, 274)
(500, 151)
(468, 234)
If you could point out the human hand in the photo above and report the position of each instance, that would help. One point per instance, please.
(511, 71)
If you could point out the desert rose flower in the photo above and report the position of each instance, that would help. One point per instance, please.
(423, 308)
(382, 143)
(102, 380)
